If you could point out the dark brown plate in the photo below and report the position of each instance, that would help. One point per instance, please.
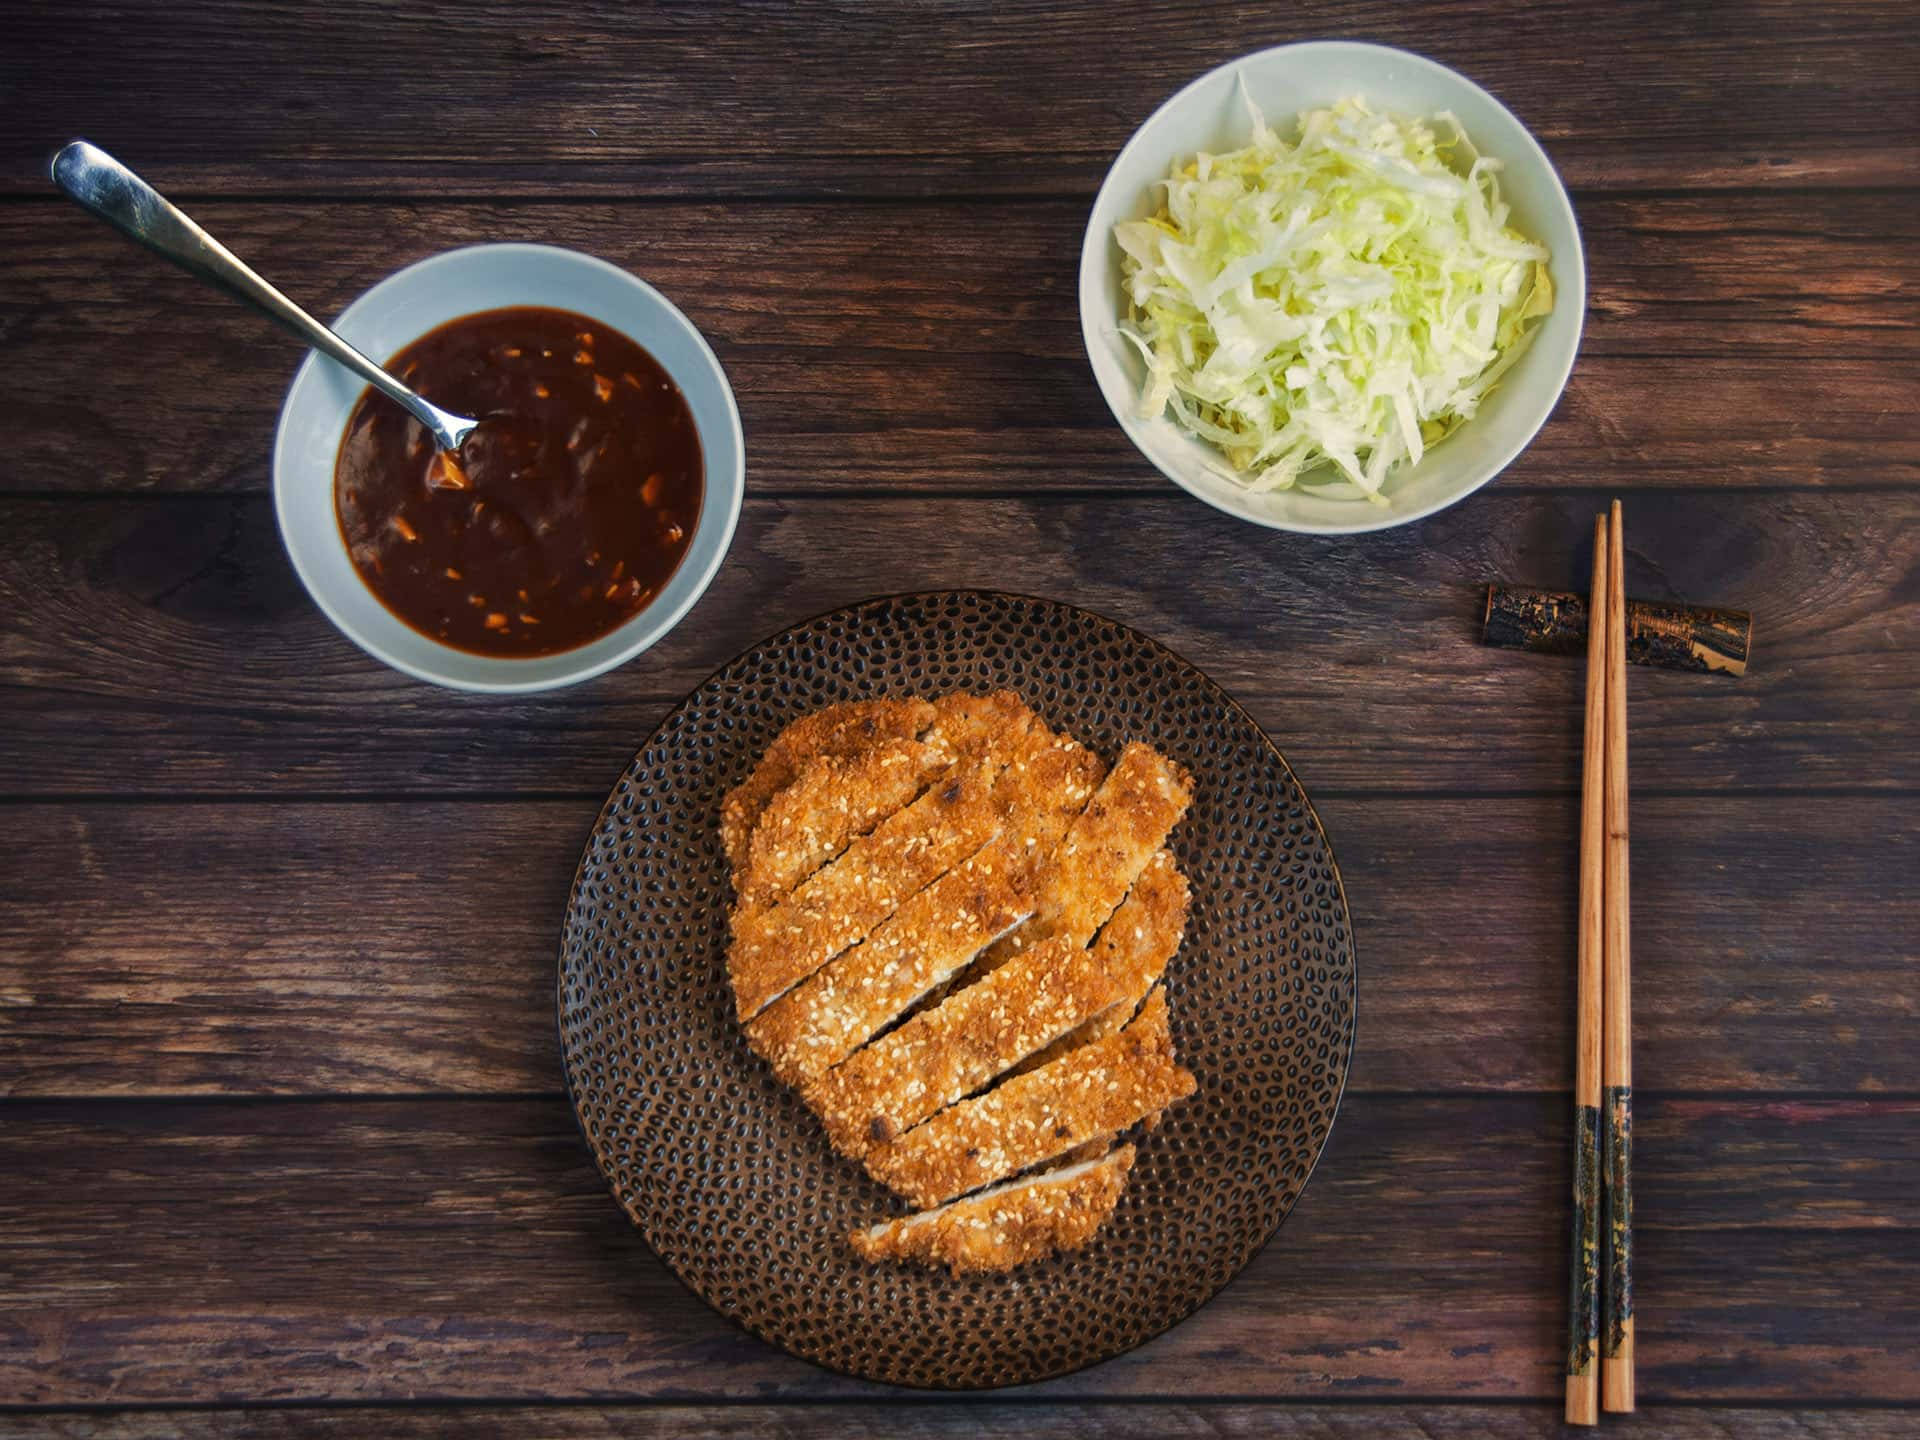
(729, 1177)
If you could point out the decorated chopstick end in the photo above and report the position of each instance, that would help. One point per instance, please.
(1616, 1320)
(1583, 1287)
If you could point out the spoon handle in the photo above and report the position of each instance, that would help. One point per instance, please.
(126, 202)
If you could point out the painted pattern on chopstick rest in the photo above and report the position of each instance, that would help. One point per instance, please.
(1699, 638)
(1618, 1102)
(1674, 637)
(1583, 1288)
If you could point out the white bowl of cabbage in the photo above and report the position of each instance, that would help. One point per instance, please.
(1332, 287)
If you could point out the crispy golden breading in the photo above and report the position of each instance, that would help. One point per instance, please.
(932, 935)
(954, 727)
(1089, 1150)
(1108, 1022)
(832, 801)
(1028, 1120)
(1008, 945)
(1107, 847)
(1146, 931)
(1021, 1015)
(774, 950)
(1143, 935)
(949, 1051)
(993, 904)
(1024, 1220)
(837, 730)
(963, 722)
(1144, 796)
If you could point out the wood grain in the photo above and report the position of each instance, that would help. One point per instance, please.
(1739, 341)
(166, 647)
(417, 1249)
(406, 947)
(356, 98)
(973, 1420)
(874, 212)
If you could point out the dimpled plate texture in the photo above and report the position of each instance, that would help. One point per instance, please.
(730, 1178)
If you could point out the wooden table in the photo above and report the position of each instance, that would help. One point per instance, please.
(283, 1147)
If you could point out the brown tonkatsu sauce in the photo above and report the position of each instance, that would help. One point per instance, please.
(567, 510)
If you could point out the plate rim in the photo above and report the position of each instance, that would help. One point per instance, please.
(1352, 1033)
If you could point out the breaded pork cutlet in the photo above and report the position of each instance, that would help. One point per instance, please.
(1110, 843)
(1028, 1120)
(1143, 935)
(951, 1050)
(837, 730)
(1007, 1225)
(1098, 859)
(837, 782)
(832, 801)
(1017, 1014)
(962, 722)
(933, 935)
(949, 929)
(775, 949)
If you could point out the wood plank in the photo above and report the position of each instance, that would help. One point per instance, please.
(361, 1251)
(354, 98)
(1734, 341)
(975, 1420)
(250, 949)
(1466, 966)
(1741, 275)
(166, 647)
(283, 948)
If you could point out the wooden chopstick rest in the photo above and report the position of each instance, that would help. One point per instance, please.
(1668, 637)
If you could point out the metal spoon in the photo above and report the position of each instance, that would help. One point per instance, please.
(126, 202)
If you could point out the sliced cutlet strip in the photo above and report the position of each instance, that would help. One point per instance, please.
(836, 730)
(1015, 1014)
(962, 722)
(832, 801)
(952, 726)
(1013, 1224)
(1108, 1022)
(953, 1049)
(1143, 935)
(1034, 1117)
(976, 968)
(837, 796)
(774, 950)
(1144, 796)
(933, 935)
(1112, 840)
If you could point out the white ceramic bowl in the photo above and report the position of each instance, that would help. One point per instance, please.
(402, 308)
(1210, 115)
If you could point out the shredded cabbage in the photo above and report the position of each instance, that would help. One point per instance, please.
(1348, 297)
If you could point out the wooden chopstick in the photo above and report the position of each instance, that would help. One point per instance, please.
(1583, 1286)
(1616, 1330)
